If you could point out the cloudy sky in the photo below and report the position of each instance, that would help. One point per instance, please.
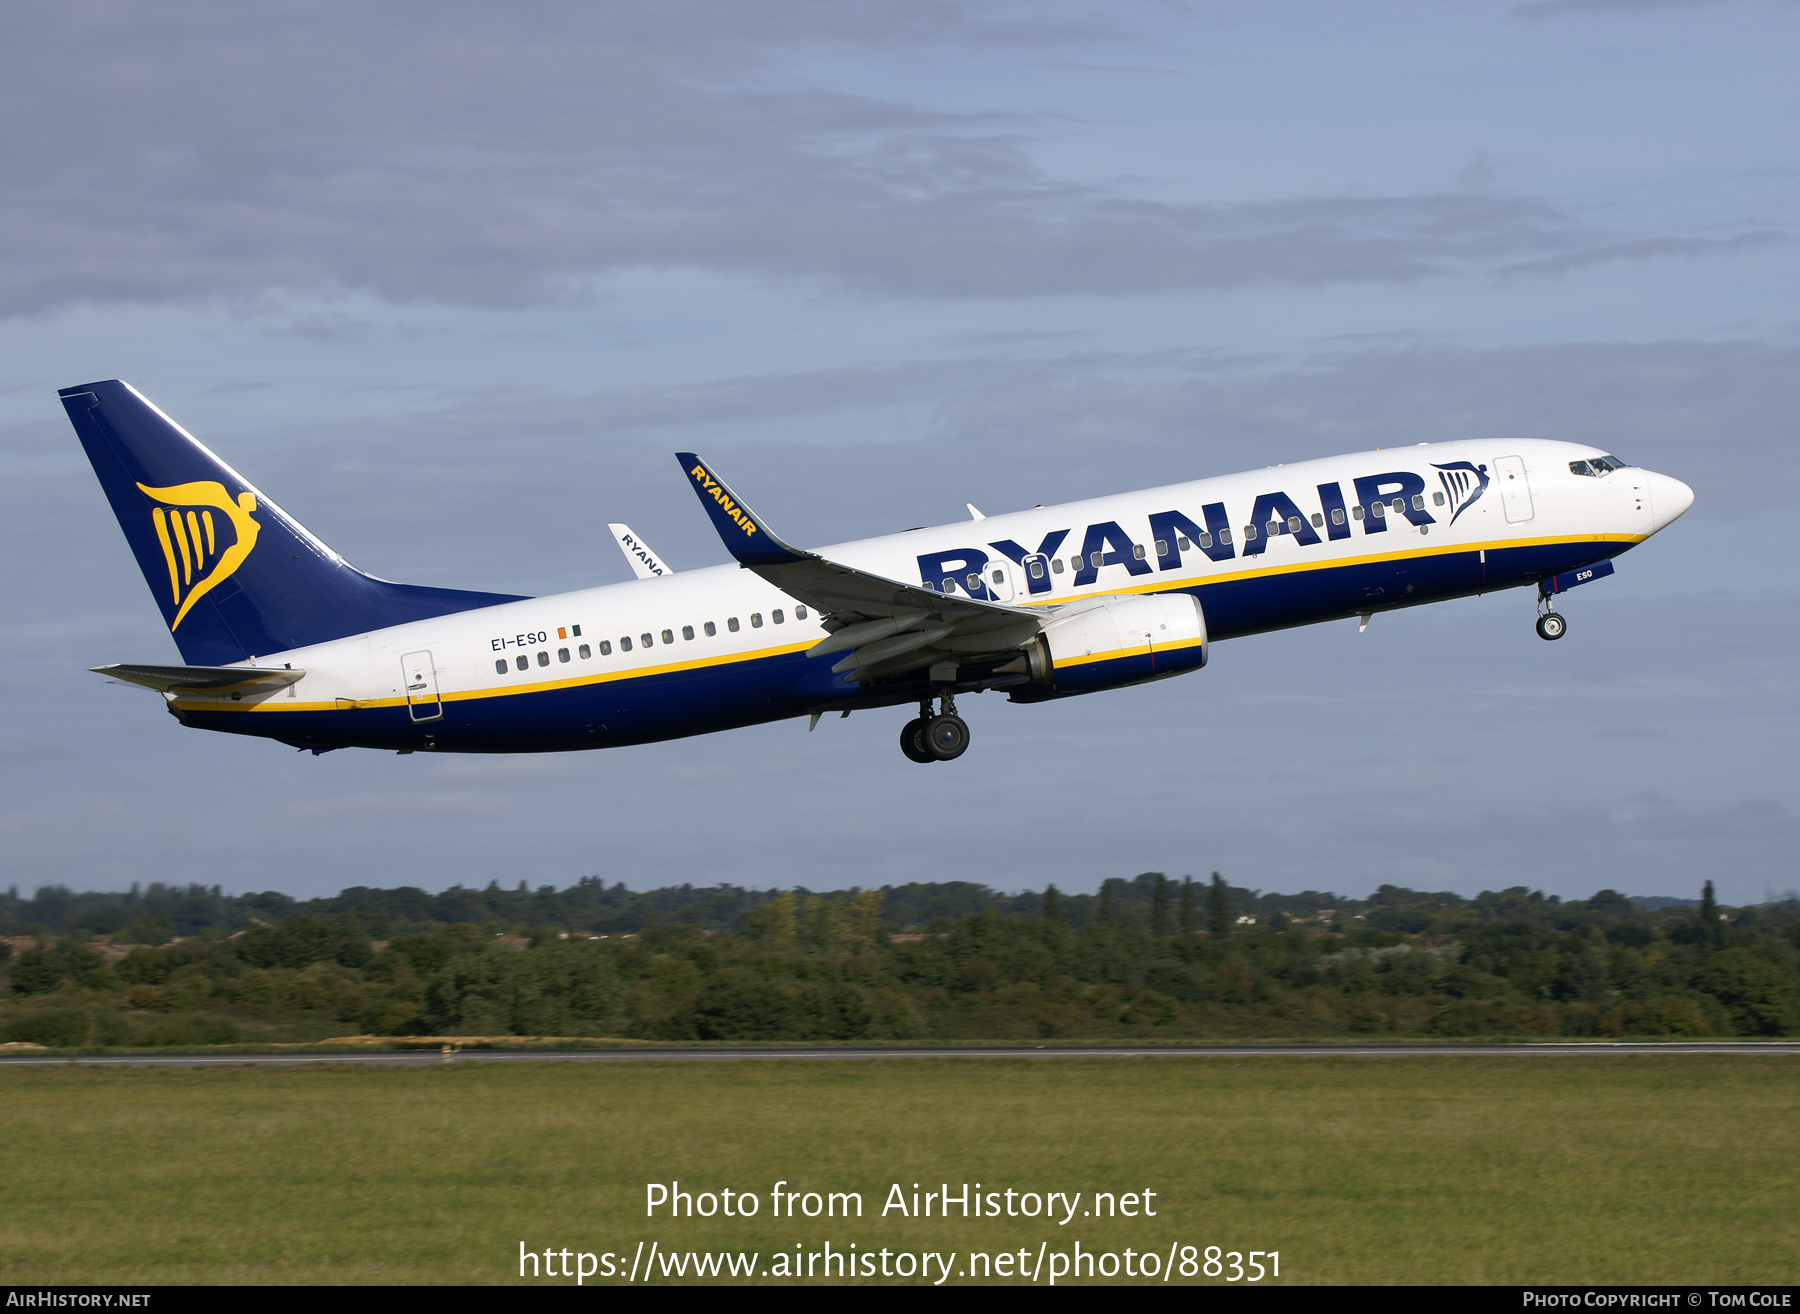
(451, 282)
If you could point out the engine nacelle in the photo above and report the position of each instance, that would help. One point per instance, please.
(1125, 641)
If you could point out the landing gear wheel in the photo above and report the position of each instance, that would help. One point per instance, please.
(912, 741)
(946, 736)
(1551, 626)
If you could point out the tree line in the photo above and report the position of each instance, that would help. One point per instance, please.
(1147, 957)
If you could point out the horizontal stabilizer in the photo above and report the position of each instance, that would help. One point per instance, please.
(203, 679)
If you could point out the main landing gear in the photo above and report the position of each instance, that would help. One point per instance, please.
(1550, 625)
(940, 738)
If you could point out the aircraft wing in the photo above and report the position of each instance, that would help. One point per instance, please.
(204, 679)
(644, 563)
(885, 626)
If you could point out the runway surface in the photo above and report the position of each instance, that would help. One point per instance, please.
(729, 1054)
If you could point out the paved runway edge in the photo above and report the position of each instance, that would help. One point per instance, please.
(728, 1054)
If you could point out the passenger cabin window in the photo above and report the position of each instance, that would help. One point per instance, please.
(543, 659)
(799, 613)
(1137, 551)
(1056, 565)
(647, 640)
(1318, 520)
(1293, 524)
(687, 631)
(606, 647)
(1337, 515)
(756, 620)
(1182, 543)
(1224, 537)
(710, 629)
(1399, 506)
(668, 637)
(523, 662)
(1418, 501)
(1095, 558)
(562, 654)
(1249, 533)
(584, 652)
(1378, 510)
(625, 643)
(1274, 528)
(500, 667)
(1437, 499)
(974, 582)
(732, 624)
(1356, 513)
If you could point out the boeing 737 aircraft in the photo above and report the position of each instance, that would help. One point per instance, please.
(287, 640)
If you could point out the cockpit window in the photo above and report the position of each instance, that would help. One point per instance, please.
(1595, 466)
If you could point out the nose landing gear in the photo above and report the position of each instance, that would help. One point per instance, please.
(1550, 625)
(940, 738)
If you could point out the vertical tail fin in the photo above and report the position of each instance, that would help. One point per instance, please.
(235, 576)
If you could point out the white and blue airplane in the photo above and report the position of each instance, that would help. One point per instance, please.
(287, 640)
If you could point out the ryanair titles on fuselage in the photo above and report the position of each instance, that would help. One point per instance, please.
(1400, 493)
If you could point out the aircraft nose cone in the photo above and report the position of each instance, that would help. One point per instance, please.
(1669, 498)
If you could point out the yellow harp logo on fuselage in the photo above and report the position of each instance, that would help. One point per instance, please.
(194, 543)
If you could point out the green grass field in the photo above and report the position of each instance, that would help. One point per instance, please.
(1477, 1169)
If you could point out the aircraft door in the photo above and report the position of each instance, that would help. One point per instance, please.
(420, 677)
(1515, 490)
(1000, 580)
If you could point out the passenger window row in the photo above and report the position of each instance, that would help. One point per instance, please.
(646, 639)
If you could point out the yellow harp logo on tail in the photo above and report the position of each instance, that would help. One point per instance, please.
(201, 552)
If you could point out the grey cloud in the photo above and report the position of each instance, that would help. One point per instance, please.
(1649, 248)
(459, 154)
(1477, 174)
(1563, 8)
(323, 327)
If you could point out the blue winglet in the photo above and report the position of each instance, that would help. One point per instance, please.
(746, 536)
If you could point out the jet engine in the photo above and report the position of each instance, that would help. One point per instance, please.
(1121, 641)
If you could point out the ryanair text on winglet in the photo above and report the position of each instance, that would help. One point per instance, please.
(730, 508)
